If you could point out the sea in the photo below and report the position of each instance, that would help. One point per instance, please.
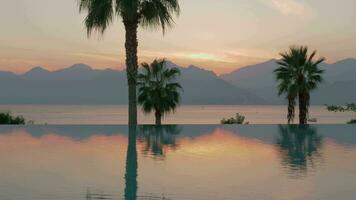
(185, 114)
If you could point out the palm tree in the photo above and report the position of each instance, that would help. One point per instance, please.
(147, 13)
(297, 76)
(158, 90)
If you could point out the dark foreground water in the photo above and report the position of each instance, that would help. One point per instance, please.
(200, 162)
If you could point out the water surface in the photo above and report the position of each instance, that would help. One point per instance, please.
(202, 162)
(198, 114)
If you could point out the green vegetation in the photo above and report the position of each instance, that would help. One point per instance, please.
(239, 119)
(158, 90)
(297, 76)
(353, 121)
(147, 13)
(8, 118)
(350, 107)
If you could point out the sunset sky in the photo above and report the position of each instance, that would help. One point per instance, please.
(219, 35)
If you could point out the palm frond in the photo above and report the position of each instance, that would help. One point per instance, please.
(128, 10)
(100, 14)
(147, 13)
(158, 13)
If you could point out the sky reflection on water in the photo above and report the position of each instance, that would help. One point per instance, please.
(178, 162)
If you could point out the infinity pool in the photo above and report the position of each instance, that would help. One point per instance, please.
(200, 162)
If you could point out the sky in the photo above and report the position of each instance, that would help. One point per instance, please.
(218, 35)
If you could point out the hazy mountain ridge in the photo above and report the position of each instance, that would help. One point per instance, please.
(255, 84)
(74, 72)
(338, 86)
(80, 84)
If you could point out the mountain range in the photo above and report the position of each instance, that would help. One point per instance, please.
(250, 85)
(80, 84)
(338, 86)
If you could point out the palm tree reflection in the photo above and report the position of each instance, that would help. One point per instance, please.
(131, 166)
(156, 139)
(299, 147)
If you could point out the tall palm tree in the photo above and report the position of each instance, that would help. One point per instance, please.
(147, 13)
(158, 90)
(297, 75)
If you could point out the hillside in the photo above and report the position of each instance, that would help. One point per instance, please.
(338, 86)
(80, 84)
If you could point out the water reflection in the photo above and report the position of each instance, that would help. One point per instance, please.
(157, 139)
(131, 166)
(116, 162)
(95, 196)
(299, 147)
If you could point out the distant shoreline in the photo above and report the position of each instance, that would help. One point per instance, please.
(185, 114)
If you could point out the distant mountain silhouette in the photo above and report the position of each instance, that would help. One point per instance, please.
(37, 73)
(255, 84)
(7, 75)
(80, 84)
(338, 86)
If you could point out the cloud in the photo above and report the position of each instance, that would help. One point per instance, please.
(290, 7)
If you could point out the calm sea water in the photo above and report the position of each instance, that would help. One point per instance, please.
(195, 162)
(74, 114)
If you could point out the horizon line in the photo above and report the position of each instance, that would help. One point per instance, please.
(123, 68)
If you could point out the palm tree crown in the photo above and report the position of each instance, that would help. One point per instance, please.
(297, 76)
(158, 90)
(147, 13)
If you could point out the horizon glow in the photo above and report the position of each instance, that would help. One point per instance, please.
(221, 36)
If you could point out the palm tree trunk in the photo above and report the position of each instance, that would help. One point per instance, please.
(303, 108)
(131, 45)
(291, 108)
(158, 116)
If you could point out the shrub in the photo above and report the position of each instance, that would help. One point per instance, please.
(7, 118)
(353, 121)
(239, 119)
(349, 107)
